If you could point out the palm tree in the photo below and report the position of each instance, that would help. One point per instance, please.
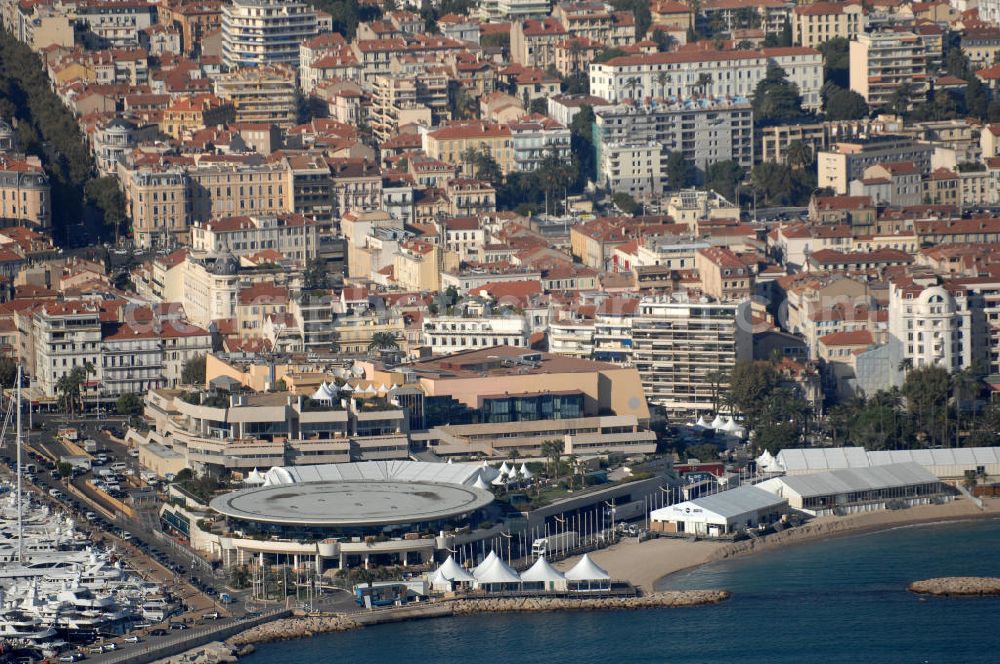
(905, 365)
(631, 84)
(661, 79)
(553, 450)
(383, 341)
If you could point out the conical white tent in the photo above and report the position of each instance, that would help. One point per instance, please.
(525, 473)
(497, 575)
(454, 572)
(588, 575)
(347, 388)
(370, 389)
(255, 477)
(544, 576)
(503, 468)
(512, 473)
(382, 388)
(480, 484)
(487, 561)
(450, 576)
(717, 422)
(499, 480)
(730, 425)
(765, 459)
(323, 393)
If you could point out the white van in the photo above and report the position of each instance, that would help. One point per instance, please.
(119, 467)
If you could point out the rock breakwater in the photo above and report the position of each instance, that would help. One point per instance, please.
(293, 628)
(957, 586)
(668, 599)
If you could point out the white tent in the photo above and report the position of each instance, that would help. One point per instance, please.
(703, 422)
(717, 422)
(487, 561)
(498, 575)
(544, 576)
(504, 469)
(255, 477)
(383, 388)
(588, 575)
(454, 572)
(323, 393)
(500, 480)
(525, 473)
(765, 459)
(480, 484)
(347, 388)
(370, 389)
(448, 575)
(512, 473)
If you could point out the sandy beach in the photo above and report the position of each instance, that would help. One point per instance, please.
(644, 563)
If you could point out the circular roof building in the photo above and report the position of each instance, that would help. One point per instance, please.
(357, 498)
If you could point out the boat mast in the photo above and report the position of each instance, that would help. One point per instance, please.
(17, 442)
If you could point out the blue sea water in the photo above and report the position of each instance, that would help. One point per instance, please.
(830, 601)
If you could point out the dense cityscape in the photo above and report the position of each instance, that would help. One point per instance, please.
(319, 314)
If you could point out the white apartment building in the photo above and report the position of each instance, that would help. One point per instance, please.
(450, 334)
(716, 74)
(636, 169)
(882, 62)
(65, 335)
(572, 338)
(264, 32)
(292, 235)
(706, 131)
(536, 137)
(211, 288)
(514, 10)
(931, 323)
(682, 348)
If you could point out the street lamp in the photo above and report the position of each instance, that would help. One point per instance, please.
(561, 521)
(507, 536)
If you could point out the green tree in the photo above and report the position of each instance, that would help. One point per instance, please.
(977, 99)
(750, 387)
(837, 61)
(927, 390)
(70, 388)
(106, 195)
(772, 182)
(680, 172)
(899, 100)
(314, 276)
(702, 452)
(8, 372)
(193, 372)
(841, 104)
(383, 341)
(64, 469)
(625, 203)
(539, 105)
(640, 10)
(776, 99)
(662, 40)
(724, 177)
(799, 156)
(607, 54)
(129, 404)
(582, 145)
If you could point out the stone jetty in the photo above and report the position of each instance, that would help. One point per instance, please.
(294, 628)
(669, 599)
(215, 652)
(957, 586)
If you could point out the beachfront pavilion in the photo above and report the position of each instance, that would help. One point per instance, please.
(725, 513)
(543, 576)
(857, 489)
(948, 464)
